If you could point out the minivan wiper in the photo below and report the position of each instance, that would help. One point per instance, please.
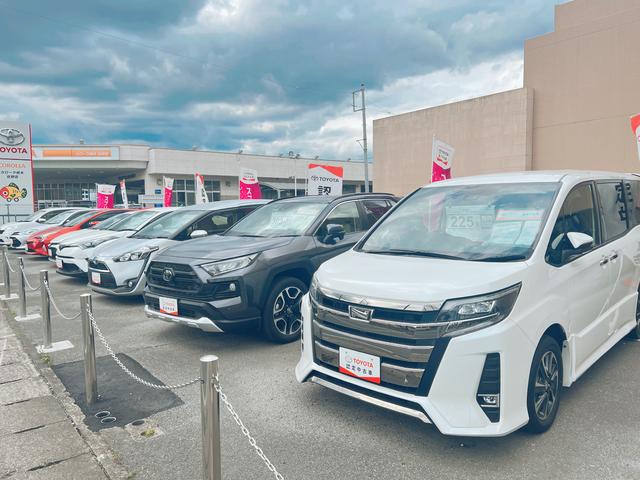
(503, 258)
(417, 253)
(244, 235)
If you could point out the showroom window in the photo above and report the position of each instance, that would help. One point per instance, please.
(184, 191)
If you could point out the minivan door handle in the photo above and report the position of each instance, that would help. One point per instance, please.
(613, 256)
(604, 261)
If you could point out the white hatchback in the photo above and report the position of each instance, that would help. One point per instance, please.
(474, 301)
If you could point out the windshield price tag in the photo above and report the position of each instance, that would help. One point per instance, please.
(95, 278)
(168, 305)
(360, 365)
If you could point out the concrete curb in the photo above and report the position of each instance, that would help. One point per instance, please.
(112, 468)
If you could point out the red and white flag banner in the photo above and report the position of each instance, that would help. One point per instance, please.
(123, 192)
(104, 197)
(249, 184)
(201, 193)
(635, 126)
(324, 180)
(168, 191)
(441, 159)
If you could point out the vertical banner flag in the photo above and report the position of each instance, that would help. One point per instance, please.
(441, 159)
(105, 196)
(123, 192)
(635, 126)
(16, 168)
(201, 193)
(168, 191)
(324, 180)
(249, 185)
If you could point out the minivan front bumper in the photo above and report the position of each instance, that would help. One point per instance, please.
(451, 401)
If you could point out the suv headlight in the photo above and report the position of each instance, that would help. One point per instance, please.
(225, 266)
(140, 254)
(467, 315)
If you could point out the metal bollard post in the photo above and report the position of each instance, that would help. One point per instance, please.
(22, 295)
(3, 251)
(7, 277)
(45, 308)
(89, 347)
(210, 412)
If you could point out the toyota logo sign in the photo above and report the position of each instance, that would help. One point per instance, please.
(11, 136)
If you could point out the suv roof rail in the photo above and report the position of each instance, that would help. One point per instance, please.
(337, 197)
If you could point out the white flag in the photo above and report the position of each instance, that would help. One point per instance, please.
(123, 192)
(201, 193)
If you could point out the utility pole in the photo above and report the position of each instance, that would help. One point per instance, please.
(362, 108)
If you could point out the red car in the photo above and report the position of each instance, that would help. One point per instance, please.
(38, 243)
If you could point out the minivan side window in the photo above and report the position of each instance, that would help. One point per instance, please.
(345, 214)
(613, 209)
(632, 189)
(374, 210)
(578, 214)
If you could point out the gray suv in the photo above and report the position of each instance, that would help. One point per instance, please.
(255, 274)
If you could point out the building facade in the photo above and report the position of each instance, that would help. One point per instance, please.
(67, 174)
(580, 88)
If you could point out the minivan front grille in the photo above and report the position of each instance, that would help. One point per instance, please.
(403, 339)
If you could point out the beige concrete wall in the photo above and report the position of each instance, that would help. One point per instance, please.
(586, 78)
(490, 134)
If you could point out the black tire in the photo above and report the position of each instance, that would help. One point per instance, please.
(545, 385)
(635, 333)
(284, 298)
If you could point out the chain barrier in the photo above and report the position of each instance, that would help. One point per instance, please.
(245, 431)
(6, 259)
(26, 281)
(110, 351)
(53, 302)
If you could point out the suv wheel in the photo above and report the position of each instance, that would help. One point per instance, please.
(281, 318)
(545, 384)
(635, 333)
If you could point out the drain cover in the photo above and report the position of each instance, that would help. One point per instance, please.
(119, 396)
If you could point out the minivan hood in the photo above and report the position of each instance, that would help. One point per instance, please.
(415, 279)
(222, 247)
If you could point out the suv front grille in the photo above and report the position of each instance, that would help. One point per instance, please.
(183, 277)
(402, 339)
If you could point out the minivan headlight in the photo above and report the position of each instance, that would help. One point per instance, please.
(140, 254)
(467, 315)
(94, 243)
(225, 266)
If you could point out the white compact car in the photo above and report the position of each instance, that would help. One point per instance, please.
(35, 219)
(473, 301)
(72, 251)
(18, 238)
(117, 268)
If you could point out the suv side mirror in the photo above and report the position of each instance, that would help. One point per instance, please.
(198, 234)
(581, 242)
(334, 232)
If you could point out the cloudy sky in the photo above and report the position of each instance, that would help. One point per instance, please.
(265, 76)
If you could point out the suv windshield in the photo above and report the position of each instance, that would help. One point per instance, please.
(61, 217)
(134, 221)
(494, 222)
(278, 219)
(169, 225)
(73, 221)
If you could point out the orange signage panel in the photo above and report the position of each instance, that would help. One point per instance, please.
(75, 153)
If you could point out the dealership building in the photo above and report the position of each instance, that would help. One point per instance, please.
(67, 174)
(581, 85)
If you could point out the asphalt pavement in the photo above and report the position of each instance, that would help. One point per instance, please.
(309, 432)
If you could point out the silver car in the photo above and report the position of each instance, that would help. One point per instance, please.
(117, 267)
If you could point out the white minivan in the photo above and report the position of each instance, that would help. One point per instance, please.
(472, 302)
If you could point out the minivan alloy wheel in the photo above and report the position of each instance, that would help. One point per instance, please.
(286, 311)
(547, 385)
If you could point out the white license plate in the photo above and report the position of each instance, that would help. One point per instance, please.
(95, 278)
(168, 305)
(59, 264)
(361, 365)
(49, 252)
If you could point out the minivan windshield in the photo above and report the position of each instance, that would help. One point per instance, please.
(489, 222)
(279, 219)
(134, 221)
(110, 223)
(169, 225)
(61, 217)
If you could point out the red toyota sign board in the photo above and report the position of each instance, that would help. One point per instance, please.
(16, 169)
(635, 126)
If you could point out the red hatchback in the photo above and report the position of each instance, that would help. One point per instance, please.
(38, 243)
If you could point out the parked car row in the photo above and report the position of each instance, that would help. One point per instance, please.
(468, 304)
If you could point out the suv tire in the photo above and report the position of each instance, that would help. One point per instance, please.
(281, 317)
(545, 385)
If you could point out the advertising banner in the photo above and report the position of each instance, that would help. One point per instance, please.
(441, 159)
(168, 191)
(123, 192)
(16, 169)
(249, 185)
(324, 180)
(201, 193)
(635, 126)
(105, 196)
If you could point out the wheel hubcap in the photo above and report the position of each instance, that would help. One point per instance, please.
(547, 385)
(286, 311)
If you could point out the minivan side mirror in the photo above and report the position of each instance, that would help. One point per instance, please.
(581, 242)
(334, 232)
(198, 234)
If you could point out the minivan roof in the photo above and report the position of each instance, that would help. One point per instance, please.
(564, 176)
